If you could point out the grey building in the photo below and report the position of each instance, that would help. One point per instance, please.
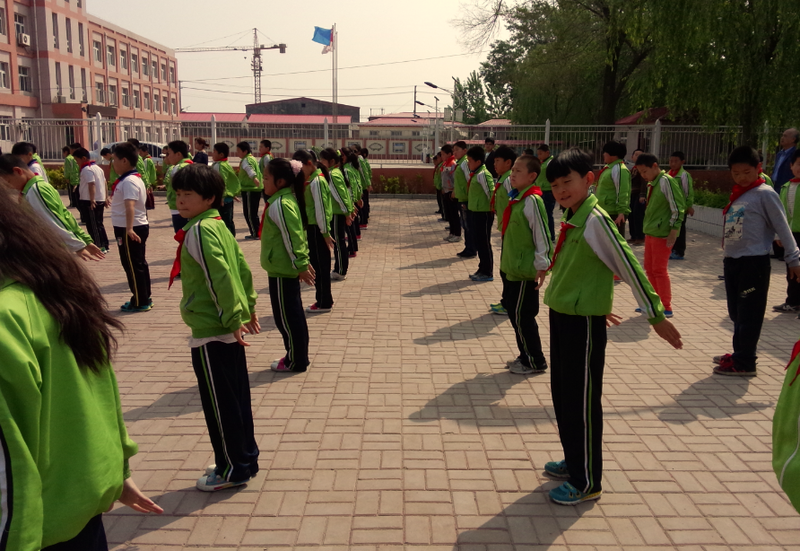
(302, 106)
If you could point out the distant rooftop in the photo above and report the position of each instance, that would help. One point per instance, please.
(261, 118)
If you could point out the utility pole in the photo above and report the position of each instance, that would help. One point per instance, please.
(257, 67)
(415, 101)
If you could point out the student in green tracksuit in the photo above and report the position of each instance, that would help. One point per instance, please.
(265, 154)
(524, 260)
(480, 190)
(786, 430)
(614, 184)
(437, 183)
(352, 178)
(72, 174)
(252, 187)
(544, 156)
(149, 174)
(284, 255)
(460, 177)
(232, 186)
(319, 213)
(366, 183)
(580, 295)
(178, 158)
(685, 181)
(342, 208)
(219, 306)
(790, 199)
(66, 448)
(46, 202)
(504, 159)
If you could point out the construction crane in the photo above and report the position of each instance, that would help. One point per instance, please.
(255, 64)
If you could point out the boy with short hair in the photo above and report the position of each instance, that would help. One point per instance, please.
(27, 152)
(150, 175)
(220, 156)
(580, 295)
(178, 158)
(524, 261)
(251, 186)
(265, 154)
(480, 190)
(791, 206)
(93, 190)
(614, 184)
(218, 305)
(71, 173)
(662, 222)
(46, 202)
(503, 163)
(544, 156)
(449, 202)
(460, 176)
(752, 218)
(684, 179)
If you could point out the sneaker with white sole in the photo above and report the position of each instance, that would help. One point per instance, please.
(336, 276)
(498, 309)
(786, 308)
(556, 469)
(522, 369)
(213, 483)
(454, 239)
(513, 363)
(567, 494)
(314, 309)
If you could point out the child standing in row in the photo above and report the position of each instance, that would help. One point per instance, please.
(366, 184)
(614, 184)
(178, 159)
(437, 182)
(341, 207)
(150, 175)
(461, 193)
(504, 158)
(480, 190)
(284, 255)
(72, 174)
(92, 193)
(544, 156)
(349, 164)
(218, 305)
(252, 187)
(27, 152)
(791, 206)
(221, 166)
(449, 201)
(684, 179)
(589, 252)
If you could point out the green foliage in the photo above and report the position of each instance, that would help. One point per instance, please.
(392, 186)
(709, 198)
(57, 178)
(471, 97)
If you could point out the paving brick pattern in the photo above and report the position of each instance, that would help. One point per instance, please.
(408, 433)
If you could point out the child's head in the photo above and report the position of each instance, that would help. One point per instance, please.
(447, 149)
(526, 169)
(364, 152)
(796, 164)
(200, 144)
(74, 146)
(504, 158)
(282, 173)
(613, 151)
(24, 151)
(143, 151)
(243, 150)
(488, 144)
(307, 159)
(135, 143)
(676, 160)
(745, 165)
(105, 153)
(635, 155)
(165, 154)
(460, 149)
(65, 151)
(476, 155)
(178, 151)
(198, 188)
(220, 151)
(14, 171)
(264, 148)
(329, 157)
(647, 165)
(543, 152)
(570, 176)
(528, 151)
(124, 159)
(81, 155)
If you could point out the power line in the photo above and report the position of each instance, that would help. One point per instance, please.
(291, 96)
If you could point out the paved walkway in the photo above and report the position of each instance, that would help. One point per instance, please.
(408, 433)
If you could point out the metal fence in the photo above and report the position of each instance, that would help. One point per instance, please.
(703, 148)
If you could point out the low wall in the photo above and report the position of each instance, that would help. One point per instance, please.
(706, 220)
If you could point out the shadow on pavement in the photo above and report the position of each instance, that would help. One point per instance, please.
(715, 397)
(464, 330)
(630, 330)
(531, 522)
(442, 288)
(432, 264)
(122, 286)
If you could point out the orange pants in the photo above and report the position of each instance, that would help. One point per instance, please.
(656, 262)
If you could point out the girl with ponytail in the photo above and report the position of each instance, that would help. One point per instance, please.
(342, 208)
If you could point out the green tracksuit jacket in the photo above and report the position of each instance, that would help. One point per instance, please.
(527, 245)
(686, 183)
(263, 162)
(664, 210)
(767, 180)
(284, 248)
(582, 282)
(793, 213)
(366, 173)
(65, 442)
(44, 199)
(172, 196)
(149, 176)
(786, 435)
(437, 177)
(501, 199)
(480, 188)
(460, 177)
(71, 171)
(614, 189)
(218, 295)
(232, 185)
(319, 210)
(541, 180)
(248, 169)
(341, 202)
(355, 182)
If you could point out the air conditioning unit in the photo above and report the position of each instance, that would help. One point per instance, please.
(23, 39)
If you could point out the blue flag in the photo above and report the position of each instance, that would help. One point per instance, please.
(322, 36)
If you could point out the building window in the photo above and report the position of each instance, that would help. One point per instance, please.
(55, 31)
(112, 94)
(415, 132)
(126, 102)
(4, 82)
(98, 51)
(99, 92)
(174, 107)
(172, 75)
(5, 128)
(71, 76)
(164, 72)
(25, 79)
(134, 63)
(83, 85)
(123, 60)
(136, 99)
(155, 69)
(145, 67)
(58, 78)
(396, 133)
(19, 23)
(68, 28)
(147, 101)
(80, 39)
(3, 21)
(374, 133)
(166, 105)
(156, 103)
(80, 4)
(111, 58)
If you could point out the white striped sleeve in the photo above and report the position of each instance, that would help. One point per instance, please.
(193, 243)
(484, 185)
(666, 189)
(541, 239)
(248, 168)
(39, 205)
(319, 206)
(277, 216)
(615, 177)
(335, 195)
(685, 183)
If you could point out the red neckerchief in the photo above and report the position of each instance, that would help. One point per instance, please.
(450, 161)
(738, 191)
(673, 173)
(87, 163)
(533, 190)
(263, 217)
(176, 266)
(795, 352)
(650, 186)
(601, 172)
(561, 237)
(225, 160)
(118, 180)
(795, 180)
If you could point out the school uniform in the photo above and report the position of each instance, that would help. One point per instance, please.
(178, 221)
(90, 173)
(37, 167)
(319, 214)
(500, 202)
(589, 252)
(480, 190)
(232, 188)
(449, 203)
(613, 191)
(547, 196)
(342, 206)
(664, 213)
(791, 206)
(66, 448)
(132, 255)
(262, 167)
(353, 182)
(149, 174)
(46, 202)
(366, 183)
(527, 247)
(437, 185)
(284, 254)
(251, 192)
(460, 177)
(72, 174)
(218, 298)
(686, 183)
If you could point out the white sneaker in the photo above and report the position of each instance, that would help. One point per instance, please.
(513, 363)
(520, 369)
(454, 238)
(336, 276)
(448, 237)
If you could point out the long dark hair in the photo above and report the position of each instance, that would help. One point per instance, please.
(281, 169)
(330, 154)
(62, 285)
(304, 155)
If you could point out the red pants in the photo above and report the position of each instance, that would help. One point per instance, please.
(656, 261)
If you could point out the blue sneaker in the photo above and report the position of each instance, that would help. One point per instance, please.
(674, 256)
(213, 482)
(482, 277)
(128, 307)
(567, 494)
(668, 313)
(638, 310)
(556, 469)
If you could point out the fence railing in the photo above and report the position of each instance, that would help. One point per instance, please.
(703, 148)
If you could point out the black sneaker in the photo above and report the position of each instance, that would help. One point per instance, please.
(786, 308)
(467, 254)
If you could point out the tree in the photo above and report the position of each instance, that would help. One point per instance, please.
(471, 97)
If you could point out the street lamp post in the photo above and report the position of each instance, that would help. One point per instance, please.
(452, 115)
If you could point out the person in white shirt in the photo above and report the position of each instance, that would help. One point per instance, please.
(131, 229)
(92, 196)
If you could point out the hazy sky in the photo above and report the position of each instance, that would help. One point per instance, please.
(380, 33)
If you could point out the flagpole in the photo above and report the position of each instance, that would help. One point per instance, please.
(335, 61)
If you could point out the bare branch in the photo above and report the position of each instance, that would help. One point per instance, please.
(480, 22)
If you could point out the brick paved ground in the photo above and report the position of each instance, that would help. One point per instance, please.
(408, 433)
